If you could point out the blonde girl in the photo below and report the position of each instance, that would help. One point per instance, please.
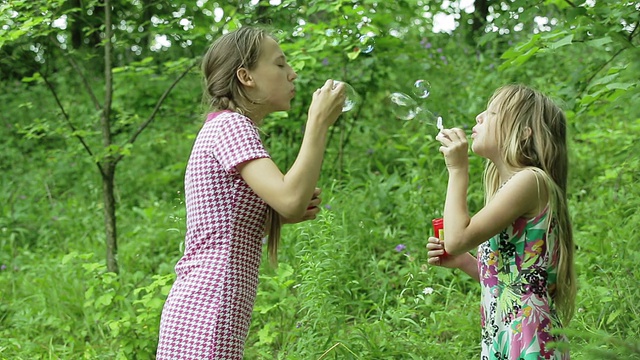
(234, 191)
(523, 233)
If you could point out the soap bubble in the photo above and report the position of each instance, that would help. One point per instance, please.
(427, 117)
(352, 98)
(403, 106)
(367, 43)
(421, 89)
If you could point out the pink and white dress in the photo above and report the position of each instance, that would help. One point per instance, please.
(208, 311)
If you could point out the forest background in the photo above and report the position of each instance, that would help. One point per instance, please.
(100, 104)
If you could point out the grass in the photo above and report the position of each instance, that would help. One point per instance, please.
(342, 291)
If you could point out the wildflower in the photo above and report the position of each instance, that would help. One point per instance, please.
(325, 62)
(3, 267)
(328, 207)
(425, 43)
(369, 151)
(400, 247)
(298, 325)
(428, 290)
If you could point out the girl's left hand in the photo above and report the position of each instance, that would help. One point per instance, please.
(312, 209)
(454, 147)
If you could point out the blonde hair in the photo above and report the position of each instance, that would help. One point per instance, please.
(223, 91)
(531, 131)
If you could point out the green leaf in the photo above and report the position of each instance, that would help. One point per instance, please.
(353, 54)
(613, 316)
(597, 43)
(621, 86)
(562, 42)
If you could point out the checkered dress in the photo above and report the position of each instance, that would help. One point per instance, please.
(208, 311)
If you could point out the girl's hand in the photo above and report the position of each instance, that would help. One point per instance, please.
(438, 257)
(312, 209)
(327, 103)
(454, 147)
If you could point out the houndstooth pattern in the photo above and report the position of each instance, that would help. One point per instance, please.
(208, 310)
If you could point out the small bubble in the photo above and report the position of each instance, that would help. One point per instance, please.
(367, 43)
(421, 89)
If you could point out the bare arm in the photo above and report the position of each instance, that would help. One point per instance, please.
(289, 194)
(465, 262)
(520, 196)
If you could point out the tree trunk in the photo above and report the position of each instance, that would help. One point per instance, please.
(478, 20)
(109, 163)
(109, 202)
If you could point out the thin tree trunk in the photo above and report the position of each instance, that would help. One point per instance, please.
(109, 201)
(109, 162)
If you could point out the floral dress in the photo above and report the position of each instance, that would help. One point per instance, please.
(518, 276)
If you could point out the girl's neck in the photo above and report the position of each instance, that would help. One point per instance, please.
(256, 116)
(505, 172)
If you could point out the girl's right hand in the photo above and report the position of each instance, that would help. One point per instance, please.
(327, 102)
(436, 252)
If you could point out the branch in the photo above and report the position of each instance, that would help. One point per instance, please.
(76, 67)
(586, 85)
(633, 33)
(156, 108)
(66, 117)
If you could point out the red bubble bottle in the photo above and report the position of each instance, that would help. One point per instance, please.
(438, 230)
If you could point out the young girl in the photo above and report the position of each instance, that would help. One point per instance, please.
(523, 234)
(234, 191)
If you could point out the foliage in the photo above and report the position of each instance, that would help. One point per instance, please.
(344, 288)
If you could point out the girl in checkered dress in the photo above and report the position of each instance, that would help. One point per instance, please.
(234, 192)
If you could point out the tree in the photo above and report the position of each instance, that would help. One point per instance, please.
(111, 153)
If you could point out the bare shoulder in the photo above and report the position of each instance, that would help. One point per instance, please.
(528, 185)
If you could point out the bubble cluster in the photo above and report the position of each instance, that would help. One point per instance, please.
(405, 107)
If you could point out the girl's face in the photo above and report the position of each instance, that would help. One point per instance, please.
(273, 78)
(485, 142)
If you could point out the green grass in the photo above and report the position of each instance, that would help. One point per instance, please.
(341, 291)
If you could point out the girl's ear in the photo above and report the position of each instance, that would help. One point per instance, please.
(245, 77)
(526, 133)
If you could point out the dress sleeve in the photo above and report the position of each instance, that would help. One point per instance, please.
(236, 140)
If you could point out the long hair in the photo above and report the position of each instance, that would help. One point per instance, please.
(521, 110)
(223, 91)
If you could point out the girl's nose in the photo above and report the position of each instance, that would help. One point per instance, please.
(479, 117)
(293, 75)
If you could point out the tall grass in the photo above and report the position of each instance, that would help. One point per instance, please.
(344, 289)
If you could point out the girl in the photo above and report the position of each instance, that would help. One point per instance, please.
(234, 191)
(523, 234)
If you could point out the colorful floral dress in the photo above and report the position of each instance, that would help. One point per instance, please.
(208, 311)
(518, 275)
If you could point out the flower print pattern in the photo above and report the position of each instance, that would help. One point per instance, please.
(517, 274)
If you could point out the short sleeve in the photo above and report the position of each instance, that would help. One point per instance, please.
(236, 140)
